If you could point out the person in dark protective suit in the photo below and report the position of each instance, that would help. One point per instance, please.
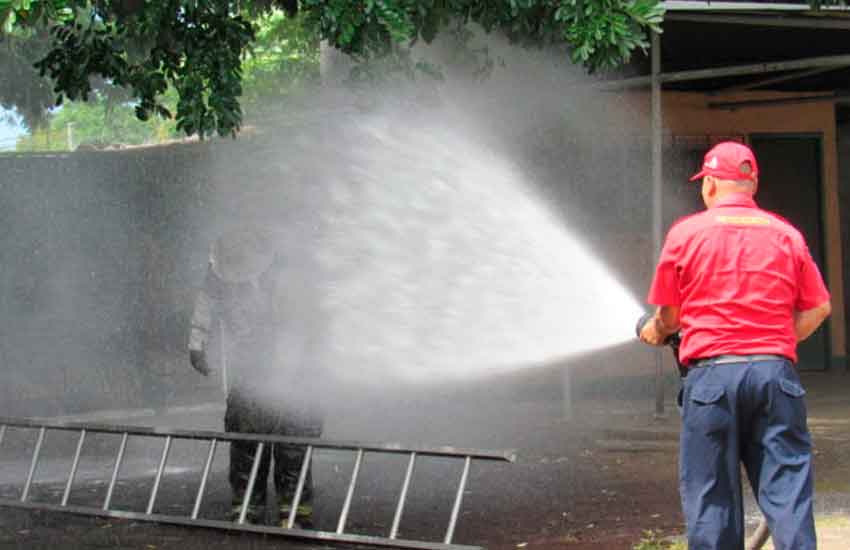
(266, 318)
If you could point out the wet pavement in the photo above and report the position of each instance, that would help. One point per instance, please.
(595, 481)
(426, 515)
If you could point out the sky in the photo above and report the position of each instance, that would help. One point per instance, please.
(8, 132)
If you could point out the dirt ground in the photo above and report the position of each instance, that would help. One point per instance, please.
(595, 481)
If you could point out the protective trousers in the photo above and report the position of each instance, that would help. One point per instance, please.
(751, 412)
(245, 415)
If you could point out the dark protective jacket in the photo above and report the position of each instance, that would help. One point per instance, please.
(266, 313)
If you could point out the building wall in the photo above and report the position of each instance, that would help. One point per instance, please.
(687, 114)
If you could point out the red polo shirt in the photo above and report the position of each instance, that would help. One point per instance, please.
(738, 274)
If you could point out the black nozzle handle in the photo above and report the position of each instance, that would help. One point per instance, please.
(642, 320)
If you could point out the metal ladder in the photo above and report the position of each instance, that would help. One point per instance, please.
(214, 438)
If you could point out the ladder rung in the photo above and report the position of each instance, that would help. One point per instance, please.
(207, 465)
(33, 464)
(108, 500)
(402, 497)
(249, 490)
(74, 465)
(162, 460)
(458, 499)
(343, 517)
(299, 488)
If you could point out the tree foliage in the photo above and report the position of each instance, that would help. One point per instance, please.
(105, 119)
(201, 48)
(21, 88)
(283, 57)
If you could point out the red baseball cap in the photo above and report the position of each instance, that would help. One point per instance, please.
(727, 160)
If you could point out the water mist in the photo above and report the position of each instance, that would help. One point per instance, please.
(445, 263)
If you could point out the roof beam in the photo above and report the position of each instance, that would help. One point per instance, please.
(801, 22)
(762, 82)
(696, 5)
(734, 105)
(738, 70)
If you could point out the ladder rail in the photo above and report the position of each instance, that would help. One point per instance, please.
(304, 534)
(206, 435)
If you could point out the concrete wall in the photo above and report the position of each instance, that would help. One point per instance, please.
(102, 254)
(99, 253)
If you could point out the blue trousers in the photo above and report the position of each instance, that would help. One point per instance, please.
(751, 413)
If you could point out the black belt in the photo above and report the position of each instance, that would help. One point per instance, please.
(729, 359)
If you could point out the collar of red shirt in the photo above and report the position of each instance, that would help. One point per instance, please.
(737, 199)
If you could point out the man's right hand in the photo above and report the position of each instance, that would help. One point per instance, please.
(650, 333)
(660, 326)
(198, 359)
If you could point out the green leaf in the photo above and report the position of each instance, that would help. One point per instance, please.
(214, 55)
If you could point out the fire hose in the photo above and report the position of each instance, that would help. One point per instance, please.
(673, 341)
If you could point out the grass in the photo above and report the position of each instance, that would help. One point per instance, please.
(835, 522)
(655, 540)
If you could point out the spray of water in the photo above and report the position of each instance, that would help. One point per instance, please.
(437, 252)
(435, 242)
(441, 262)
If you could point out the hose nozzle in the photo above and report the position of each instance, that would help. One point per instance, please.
(642, 320)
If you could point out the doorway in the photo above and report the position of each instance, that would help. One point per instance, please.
(791, 186)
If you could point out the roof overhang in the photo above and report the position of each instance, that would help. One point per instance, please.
(723, 47)
(707, 6)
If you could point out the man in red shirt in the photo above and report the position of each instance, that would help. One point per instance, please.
(741, 286)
